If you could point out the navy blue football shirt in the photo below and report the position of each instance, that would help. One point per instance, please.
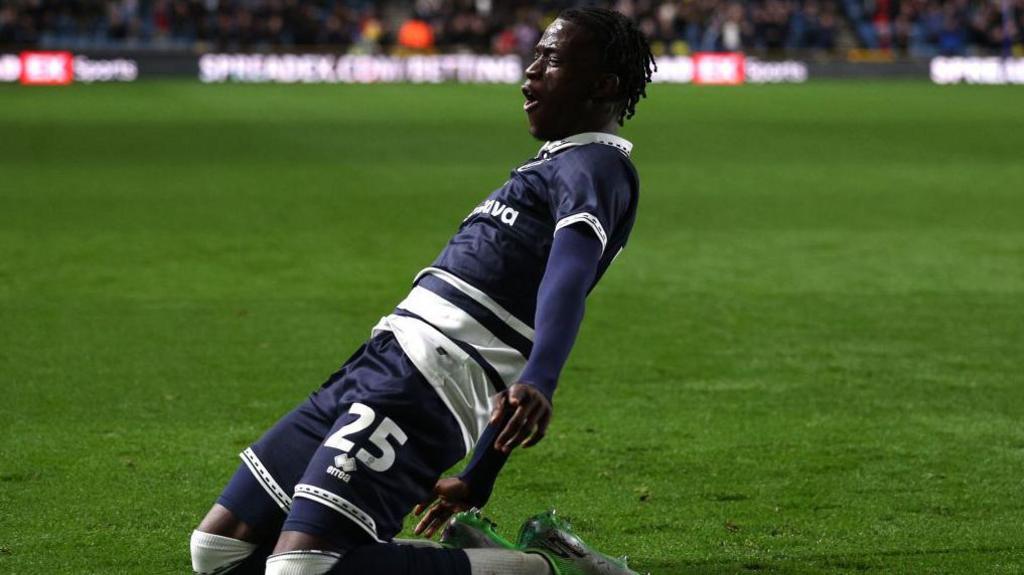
(468, 323)
(503, 246)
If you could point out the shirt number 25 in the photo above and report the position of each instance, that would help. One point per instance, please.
(387, 428)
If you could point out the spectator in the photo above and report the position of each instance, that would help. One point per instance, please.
(916, 27)
(416, 35)
(736, 29)
(953, 38)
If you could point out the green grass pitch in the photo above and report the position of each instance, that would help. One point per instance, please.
(808, 359)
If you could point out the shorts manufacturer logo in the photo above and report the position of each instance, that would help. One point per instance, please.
(343, 467)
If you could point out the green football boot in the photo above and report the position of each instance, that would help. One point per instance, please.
(471, 530)
(552, 537)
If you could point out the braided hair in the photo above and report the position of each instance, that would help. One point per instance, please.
(624, 52)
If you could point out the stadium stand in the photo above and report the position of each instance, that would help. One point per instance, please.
(920, 28)
(926, 28)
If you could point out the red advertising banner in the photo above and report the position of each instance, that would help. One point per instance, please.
(712, 68)
(47, 68)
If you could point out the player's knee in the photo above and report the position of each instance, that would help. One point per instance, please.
(222, 521)
(216, 553)
(306, 562)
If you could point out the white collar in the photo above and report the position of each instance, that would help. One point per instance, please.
(621, 144)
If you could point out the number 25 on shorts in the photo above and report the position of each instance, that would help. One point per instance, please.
(387, 428)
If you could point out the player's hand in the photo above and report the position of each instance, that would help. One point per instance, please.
(531, 414)
(451, 495)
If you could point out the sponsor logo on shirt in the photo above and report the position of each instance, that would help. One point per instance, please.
(494, 208)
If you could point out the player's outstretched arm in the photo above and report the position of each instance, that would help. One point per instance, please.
(561, 299)
(522, 413)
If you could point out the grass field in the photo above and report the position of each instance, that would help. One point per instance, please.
(809, 360)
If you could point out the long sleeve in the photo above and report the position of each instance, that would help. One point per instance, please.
(561, 299)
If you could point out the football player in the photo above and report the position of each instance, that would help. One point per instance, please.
(470, 358)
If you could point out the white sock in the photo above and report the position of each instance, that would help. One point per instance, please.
(506, 562)
(212, 553)
(301, 563)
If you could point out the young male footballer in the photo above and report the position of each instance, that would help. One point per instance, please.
(470, 357)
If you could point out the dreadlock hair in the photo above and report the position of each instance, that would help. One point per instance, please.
(624, 52)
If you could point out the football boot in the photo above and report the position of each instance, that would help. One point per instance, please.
(471, 530)
(551, 536)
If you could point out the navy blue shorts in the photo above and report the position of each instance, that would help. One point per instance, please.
(350, 462)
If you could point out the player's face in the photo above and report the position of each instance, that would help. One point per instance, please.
(560, 84)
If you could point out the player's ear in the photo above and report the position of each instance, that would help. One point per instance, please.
(607, 87)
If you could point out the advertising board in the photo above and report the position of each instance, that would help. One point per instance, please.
(61, 68)
(349, 69)
(994, 71)
(728, 69)
(36, 68)
(46, 68)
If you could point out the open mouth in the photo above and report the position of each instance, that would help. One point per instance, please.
(531, 100)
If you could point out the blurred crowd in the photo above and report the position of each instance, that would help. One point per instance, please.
(930, 27)
(761, 26)
(918, 27)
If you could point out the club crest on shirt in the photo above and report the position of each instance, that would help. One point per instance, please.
(496, 209)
